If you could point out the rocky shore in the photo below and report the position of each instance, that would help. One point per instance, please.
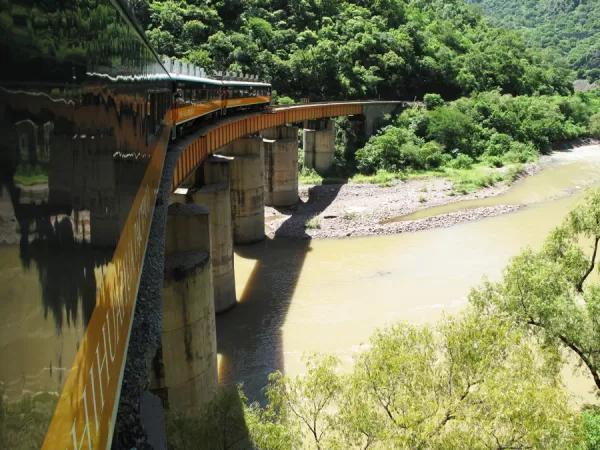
(337, 211)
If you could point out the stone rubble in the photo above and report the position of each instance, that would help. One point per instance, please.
(362, 209)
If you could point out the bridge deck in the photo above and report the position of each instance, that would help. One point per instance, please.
(212, 137)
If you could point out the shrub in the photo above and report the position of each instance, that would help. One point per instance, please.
(514, 173)
(452, 129)
(387, 151)
(422, 199)
(494, 161)
(461, 162)
(591, 429)
(432, 101)
(313, 223)
(499, 144)
(594, 127)
(521, 153)
(285, 101)
(431, 156)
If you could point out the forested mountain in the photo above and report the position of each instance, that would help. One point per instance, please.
(354, 48)
(569, 27)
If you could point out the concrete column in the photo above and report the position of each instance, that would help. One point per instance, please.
(186, 368)
(217, 197)
(247, 190)
(281, 166)
(319, 145)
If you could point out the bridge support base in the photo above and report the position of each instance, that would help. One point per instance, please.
(281, 165)
(319, 145)
(185, 372)
(247, 190)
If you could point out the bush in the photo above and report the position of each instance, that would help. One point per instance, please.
(452, 129)
(433, 101)
(461, 162)
(383, 152)
(285, 101)
(591, 429)
(594, 127)
(430, 156)
(499, 144)
(521, 153)
(494, 161)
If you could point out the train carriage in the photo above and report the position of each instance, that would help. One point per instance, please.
(199, 98)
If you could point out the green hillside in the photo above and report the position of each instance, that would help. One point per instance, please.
(352, 49)
(571, 28)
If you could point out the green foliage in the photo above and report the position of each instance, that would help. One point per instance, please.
(461, 162)
(549, 292)
(285, 101)
(453, 129)
(489, 128)
(432, 101)
(314, 223)
(467, 382)
(591, 428)
(566, 29)
(352, 49)
(594, 127)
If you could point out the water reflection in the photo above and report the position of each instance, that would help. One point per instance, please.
(82, 104)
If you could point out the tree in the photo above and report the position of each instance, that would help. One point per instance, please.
(594, 127)
(466, 383)
(432, 101)
(549, 291)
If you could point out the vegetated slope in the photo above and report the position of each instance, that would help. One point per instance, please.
(352, 49)
(569, 27)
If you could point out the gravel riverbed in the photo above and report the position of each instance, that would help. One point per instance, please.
(337, 211)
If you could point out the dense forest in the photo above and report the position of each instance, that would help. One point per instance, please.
(569, 28)
(351, 49)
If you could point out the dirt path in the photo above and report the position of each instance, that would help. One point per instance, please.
(335, 211)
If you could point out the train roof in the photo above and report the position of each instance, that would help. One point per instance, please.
(194, 79)
(245, 83)
(191, 78)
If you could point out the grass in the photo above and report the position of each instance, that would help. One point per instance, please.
(313, 224)
(350, 215)
(422, 199)
(463, 181)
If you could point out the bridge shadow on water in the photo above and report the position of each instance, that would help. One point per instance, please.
(250, 336)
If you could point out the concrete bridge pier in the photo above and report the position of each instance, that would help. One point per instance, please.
(319, 145)
(281, 165)
(185, 368)
(247, 189)
(216, 195)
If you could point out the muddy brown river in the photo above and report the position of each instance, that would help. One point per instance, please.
(330, 295)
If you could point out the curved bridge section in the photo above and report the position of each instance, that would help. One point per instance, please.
(228, 131)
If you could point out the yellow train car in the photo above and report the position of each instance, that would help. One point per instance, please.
(198, 98)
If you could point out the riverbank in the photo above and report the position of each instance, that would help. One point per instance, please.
(344, 210)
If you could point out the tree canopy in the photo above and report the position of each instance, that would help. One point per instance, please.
(564, 28)
(352, 49)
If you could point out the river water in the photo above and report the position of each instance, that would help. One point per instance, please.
(330, 295)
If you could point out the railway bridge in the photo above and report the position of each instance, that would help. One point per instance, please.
(223, 177)
(116, 248)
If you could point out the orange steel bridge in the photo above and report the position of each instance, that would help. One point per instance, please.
(222, 134)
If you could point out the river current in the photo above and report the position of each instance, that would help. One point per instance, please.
(330, 295)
